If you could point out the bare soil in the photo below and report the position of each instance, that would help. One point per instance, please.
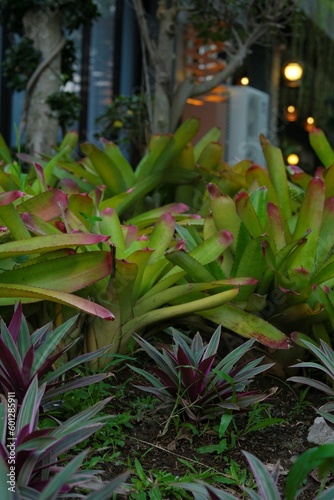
(157, 450)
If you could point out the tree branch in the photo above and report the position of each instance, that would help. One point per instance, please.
(145, 35)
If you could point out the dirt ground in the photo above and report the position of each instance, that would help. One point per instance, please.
(167, 451)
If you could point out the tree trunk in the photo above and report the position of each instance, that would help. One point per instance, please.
(163, 87)
(41, 128)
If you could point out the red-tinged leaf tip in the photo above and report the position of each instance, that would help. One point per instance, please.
(255, 167)
(61, 226)
(8, 197)
(314, 287)
(108, 211)
(130, 190)
(131, 228)
(142, 238)
(240, 196)
(294, 337)
(181, 245)
(274, 344)
(302, 270)
(329, 204)
(326, 289)
(168, 219)
(195, 216)
(272, 209)
(317, 182)
(70, 186)
(3, 229)
(286, 290)
(179, 208)
(29, 222)
(98, 195)
(295, 170)
(213, 190)
(225, 237)
(40, 171)
(319, 173)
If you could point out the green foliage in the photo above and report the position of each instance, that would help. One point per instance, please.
(19, 63)
(125, 121)
(74, 12)
(68, 61)
(66, 106)
(37, 465)
(320, 458)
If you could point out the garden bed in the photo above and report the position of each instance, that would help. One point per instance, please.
(160, 454)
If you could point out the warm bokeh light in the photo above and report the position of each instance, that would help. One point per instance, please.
(244, 80)
(293, 71)
(293, 159)
(195, 102)
(291, 113)
(310, 120)
(215, 98)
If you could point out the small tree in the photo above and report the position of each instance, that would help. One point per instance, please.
(238, 23)
(34, 61)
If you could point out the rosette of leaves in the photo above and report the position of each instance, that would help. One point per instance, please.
(25, 355)
(189, 378)
(282, 236)
(39, 472)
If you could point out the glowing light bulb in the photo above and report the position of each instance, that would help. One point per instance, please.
(293, 71)
(293, 159)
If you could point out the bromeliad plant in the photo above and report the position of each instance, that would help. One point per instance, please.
(31, 458)
(282, 238)
(23, 356)
(47, 264)
(166, 270)
(189, 378)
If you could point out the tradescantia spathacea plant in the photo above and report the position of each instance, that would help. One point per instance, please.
(25, 355)
(34, 465)
(188, 378)
(323, 363)
(320, 458)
